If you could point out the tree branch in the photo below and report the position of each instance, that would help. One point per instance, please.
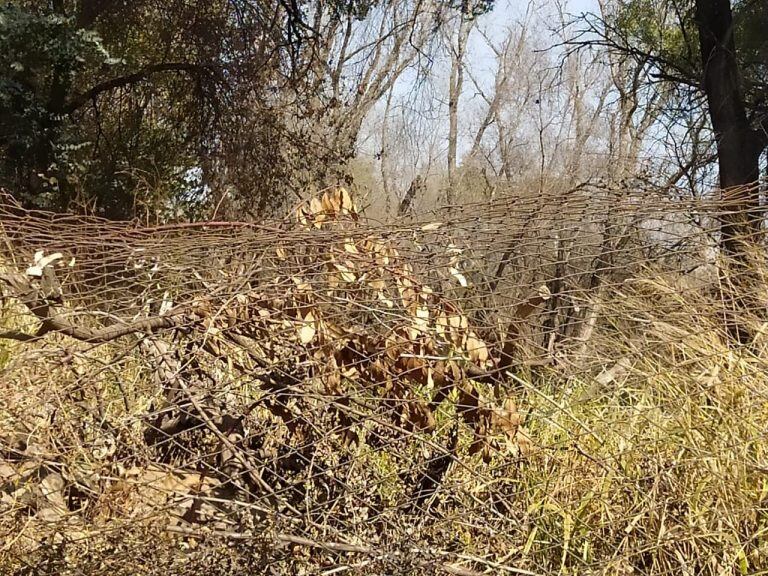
(80, 100)
(30, 296)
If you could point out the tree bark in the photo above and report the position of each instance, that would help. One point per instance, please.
(454, 93)
(738, 145)
(738, 148)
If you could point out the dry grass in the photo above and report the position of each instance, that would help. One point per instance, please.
(659, 469)
(641, 450)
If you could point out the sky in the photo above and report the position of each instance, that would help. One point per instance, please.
(482, 62)
(510, 11)
(507, 13)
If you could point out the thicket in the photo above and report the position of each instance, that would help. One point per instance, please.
(325, 395)
(213, 357)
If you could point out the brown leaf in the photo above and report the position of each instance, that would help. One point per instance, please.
(419, 416)
(330, 204)
(308, 329)
(345, 273)
(345, 201)
(477, 350)
(507, 419)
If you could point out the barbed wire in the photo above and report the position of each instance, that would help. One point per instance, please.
(544, 383)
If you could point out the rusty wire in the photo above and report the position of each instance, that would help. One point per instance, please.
(540, 384)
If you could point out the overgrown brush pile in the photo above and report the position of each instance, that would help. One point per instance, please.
(533, 391)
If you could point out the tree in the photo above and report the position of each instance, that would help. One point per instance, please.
(713, 56)
(166, 109)
(458, 50)
(115, 105)
(739, 142)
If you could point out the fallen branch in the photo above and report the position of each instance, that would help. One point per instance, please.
(29, 295)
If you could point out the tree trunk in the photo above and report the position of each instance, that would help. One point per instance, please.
(454, 93)
(738, 145)
(738, 148)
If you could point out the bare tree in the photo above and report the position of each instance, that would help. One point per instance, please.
(458, 48)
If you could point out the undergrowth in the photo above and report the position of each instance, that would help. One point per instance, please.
(645, 454)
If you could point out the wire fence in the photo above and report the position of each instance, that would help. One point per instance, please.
(541, 384)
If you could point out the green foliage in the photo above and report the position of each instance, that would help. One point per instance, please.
(171, 109)
(751, 20)
(110, 107)
(473, 8)
(651, 27)
(55, 153)
(666, 31)
(357, 8)
(663, 36)
(361, 8)
(41, 56)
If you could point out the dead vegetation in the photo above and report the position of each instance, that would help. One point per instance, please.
(541, 387)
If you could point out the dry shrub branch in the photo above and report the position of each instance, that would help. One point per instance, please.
(544, 384)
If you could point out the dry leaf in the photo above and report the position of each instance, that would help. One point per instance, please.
(328, 204)
(459, 276)
(377, 284)
(301, 215)
(41, 262)
(315, 205)
(345, 201)
(385, 300)
(346, 274)
(308, 330)
(478, 352)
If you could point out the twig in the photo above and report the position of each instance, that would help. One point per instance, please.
(30, 296)
(344, 547)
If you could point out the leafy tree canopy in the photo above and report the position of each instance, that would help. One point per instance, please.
(663, 35)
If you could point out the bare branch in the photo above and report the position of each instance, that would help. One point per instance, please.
(30, 296)
(80, 100)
